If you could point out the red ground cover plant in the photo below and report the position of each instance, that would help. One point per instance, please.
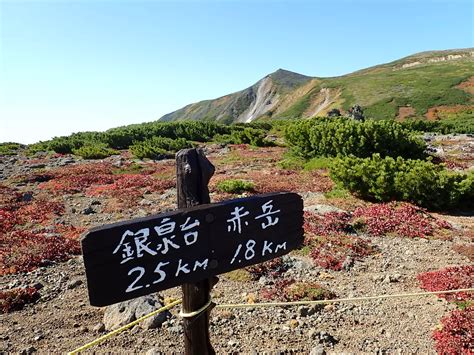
(102, 179)
(272, 268)
(18, 213)
(8, 195)
(288, 290)
(23, 251)
(338, 251)
(457, 333)
(451, 278)
(17, 298)
(77, 178)
(398, 218)
(275, 180)
(331, 247)
(27, 238)
(128, 183)
(327, 224)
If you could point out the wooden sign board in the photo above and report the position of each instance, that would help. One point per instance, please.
(141, 256)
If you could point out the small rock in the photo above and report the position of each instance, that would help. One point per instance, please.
(99, 327)
(175, 329)
(154, 351)
(88, 210)
(232, 343)
(14, 283)
(293, 323)
(27, 197)
(37, 166)
(65, 161)
(317, 350)
(327, 338)
(392, 278)
(123, 313)
(303, 311)
(348, 263)
(37, 285)
(118, 163)
(38, 337)
(74, 283)
(28, 350)
(146, 202)
(323, 209)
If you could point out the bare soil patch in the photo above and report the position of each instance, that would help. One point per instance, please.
(405, 112)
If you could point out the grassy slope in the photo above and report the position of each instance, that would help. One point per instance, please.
(382, 91)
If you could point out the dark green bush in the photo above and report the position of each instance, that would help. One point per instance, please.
(341, 136)
(158, 147)
(235, 186)
(34, 148)
(63, 145)
(9, 148)
(421, 182)
(224, 138)
(244, 135)
(95, 151)
(252, 136)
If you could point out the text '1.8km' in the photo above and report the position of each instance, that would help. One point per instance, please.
(137, 257)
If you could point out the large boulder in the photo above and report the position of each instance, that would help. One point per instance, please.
(119, 314)
(356, 113)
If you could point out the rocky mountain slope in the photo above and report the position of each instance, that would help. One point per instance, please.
(411, 86)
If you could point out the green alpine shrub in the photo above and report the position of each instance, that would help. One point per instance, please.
(421, 182)
(342, 136)
(158, 147)
(95, 151)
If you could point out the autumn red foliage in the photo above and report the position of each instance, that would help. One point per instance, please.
(451, 278)
(272, 268)
(77, 178)
(456, 337)
(15, 299)
(102, 179)
(327, 224)
(275, 180)
(398, 218)
(331, 247)
(28, 236)
(23, 250)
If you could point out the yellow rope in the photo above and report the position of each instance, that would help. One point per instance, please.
(125, 327)
(266, 304)
(196, 312)
(337, 300)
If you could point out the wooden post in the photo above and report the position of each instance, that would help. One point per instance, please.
(193, 172)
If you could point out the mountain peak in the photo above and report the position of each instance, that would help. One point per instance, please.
(288, 79)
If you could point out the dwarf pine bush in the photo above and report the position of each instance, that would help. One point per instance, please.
(158, 147)
(333, 137)
(421, 182)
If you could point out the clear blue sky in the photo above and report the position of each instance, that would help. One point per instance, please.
(68, 66)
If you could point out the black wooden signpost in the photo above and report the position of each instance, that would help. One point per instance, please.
(189, 246)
